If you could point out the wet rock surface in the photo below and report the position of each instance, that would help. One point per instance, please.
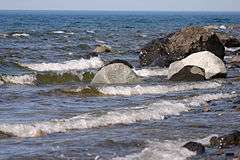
(163, 51)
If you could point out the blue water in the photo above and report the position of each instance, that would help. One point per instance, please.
(61, 36)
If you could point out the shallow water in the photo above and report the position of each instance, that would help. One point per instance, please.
(151, 119)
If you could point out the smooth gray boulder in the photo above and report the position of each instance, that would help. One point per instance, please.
(205, 63)
(115, 73)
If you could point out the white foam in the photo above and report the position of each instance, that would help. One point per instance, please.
(222, 27)
(206, 141)
(94, 62)
(167, 150)
(157, 89)
(20, 35)
(70, 33)
(24, 79)
(91, 32)
(4, 35)
(151, 72)
(197, 100)
(130, 115)
(101, 42)
(154, 111)
(58, 32)
(232, 49)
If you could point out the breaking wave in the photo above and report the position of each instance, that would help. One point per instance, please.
(164, 151)
(81, 64)
(47, 78)
(151, 72)
(157, 89)
(154, 111)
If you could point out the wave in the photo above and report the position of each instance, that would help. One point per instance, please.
(58, 32)
(24, 79)
(157, 89)
(81, 64)
(232, 49)
(63, 32)
(3, 35)
(165, 151)
(47, 78)
(154, 111)
(20, 35)
(151, 72)
(90, 31)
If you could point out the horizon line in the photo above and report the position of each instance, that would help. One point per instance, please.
(114, 10)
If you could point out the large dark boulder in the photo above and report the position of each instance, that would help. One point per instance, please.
(163, 51)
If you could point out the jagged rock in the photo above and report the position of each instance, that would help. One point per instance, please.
(226, 140)
(197, 66)
(195, 147)
(163, 51)
(116, 72)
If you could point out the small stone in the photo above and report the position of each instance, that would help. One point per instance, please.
(206, 107)
(237, 109)
(102, 49)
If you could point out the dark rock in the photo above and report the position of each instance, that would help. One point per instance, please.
(232, 42)
(195, 147)
(90, 55)
(229, 155)
(226, 140)
(189, 73)
(162, 52)
(120, 61)
(4, 135)
(228, 40)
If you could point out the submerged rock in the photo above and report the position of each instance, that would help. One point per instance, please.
(88, 77)
(88, 91)
(197, 66)
(103, 48)
(162, 52)
(195, 147)
(116, 72)
(56, 78)
(226, 140)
